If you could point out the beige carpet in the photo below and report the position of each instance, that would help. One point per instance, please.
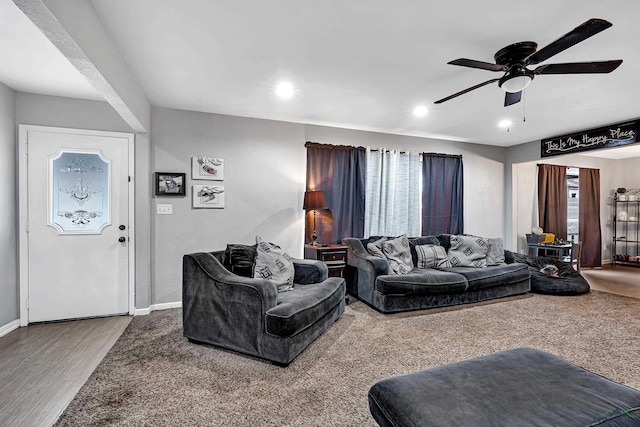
(153, 376)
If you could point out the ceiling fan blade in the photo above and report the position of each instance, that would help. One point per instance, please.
(511, 98)
(472, 63)
(579, 67)
(573, 37)
(462, 92)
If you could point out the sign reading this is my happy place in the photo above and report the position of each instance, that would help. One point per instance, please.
(604, 137)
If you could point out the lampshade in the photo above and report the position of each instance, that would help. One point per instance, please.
(314, 200)
(515, 82)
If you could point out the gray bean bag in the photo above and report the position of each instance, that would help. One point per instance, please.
(568, 282)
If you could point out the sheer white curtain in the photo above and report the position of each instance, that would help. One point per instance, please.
(392, 202)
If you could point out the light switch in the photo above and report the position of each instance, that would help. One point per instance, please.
(164, 209)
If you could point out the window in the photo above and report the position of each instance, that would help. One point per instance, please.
(393, 193)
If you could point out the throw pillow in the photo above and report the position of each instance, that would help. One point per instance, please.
(375, 248)
(398, 254)
(240, 259)
(422, 240)
(468, 251)
(495, 251)
(274, 264)
(432, 256)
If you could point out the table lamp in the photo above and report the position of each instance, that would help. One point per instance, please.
(314, 200)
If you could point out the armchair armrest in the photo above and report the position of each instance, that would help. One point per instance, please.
(204, 276)
(358, 257)
(308, 271)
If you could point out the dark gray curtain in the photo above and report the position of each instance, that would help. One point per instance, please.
(340, 172)
(589, 218)
(442, 204)
(552, 199)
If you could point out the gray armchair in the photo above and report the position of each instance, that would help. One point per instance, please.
(249, 316)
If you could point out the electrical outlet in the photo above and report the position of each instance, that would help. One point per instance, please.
(164, 209)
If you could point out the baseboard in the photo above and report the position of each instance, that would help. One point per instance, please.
(4, 330)
(154, 307)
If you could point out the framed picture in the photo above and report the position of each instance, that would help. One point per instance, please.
(208, 196)
(170, 184)
(205, 167)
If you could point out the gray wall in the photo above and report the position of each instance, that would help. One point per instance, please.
(627, 173)
(264, 181)
(483, 170)
(9, 307)
(265, 171)
(67, 112)
(265, 167)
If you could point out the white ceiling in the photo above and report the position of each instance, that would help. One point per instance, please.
(354, 64)
(31, 63)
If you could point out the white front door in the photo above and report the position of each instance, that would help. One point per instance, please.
(77, 223)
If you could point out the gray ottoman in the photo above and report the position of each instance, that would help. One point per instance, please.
(520, 387)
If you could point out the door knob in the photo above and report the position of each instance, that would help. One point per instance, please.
(122, 239)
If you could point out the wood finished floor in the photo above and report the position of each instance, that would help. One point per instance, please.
(43, 366)
(620, 280)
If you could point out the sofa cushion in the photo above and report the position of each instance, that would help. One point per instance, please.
(494, 276)
(398, 253)
(432, 256)
(274, 264)
(468, 251)
(421, 282)
(303, 306)
(495, 251)
(240, 259)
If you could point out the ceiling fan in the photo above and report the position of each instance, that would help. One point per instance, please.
(514, 59)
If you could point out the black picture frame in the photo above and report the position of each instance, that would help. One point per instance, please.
(170, 184)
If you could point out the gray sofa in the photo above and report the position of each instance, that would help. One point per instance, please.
(225, 309)
(368, 279)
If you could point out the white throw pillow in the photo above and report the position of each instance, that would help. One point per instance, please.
(495, 252)
(398, 253)
(432, 256)
(274, 264)
(468, 251)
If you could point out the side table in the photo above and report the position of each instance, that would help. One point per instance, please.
(333, 255)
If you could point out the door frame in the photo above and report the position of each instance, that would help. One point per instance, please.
(23, 209)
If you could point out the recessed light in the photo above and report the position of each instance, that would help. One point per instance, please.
(504, 123)
(284, 90)
(420, 111)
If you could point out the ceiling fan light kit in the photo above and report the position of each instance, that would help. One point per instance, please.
(514, 83)
(513, 60)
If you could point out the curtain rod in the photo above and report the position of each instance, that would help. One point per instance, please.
(334, 147)
(386, 150)
(565, 166)
(420, 154)
(351, 147)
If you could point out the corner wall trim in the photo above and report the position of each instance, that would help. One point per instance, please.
(4, 330)
(154, 307)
